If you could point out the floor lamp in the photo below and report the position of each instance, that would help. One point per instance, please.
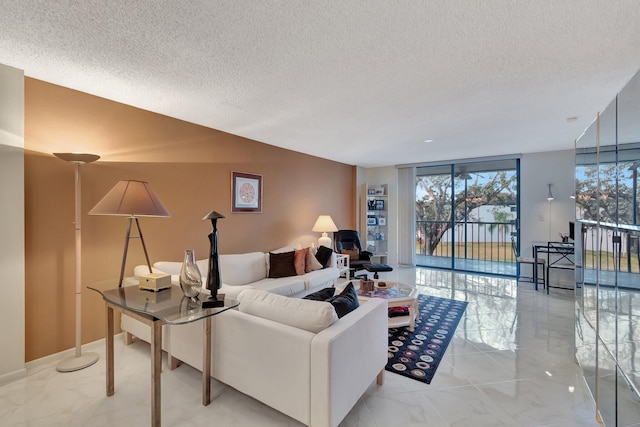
(79, 361)
(132, 199)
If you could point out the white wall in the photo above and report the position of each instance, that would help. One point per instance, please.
(539, 219)
(12, 302)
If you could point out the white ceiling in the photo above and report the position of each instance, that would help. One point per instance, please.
(359, 82)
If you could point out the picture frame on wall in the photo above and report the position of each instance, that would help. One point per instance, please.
(246, 193)
(379, 205)
(382, 221)
(372, 220)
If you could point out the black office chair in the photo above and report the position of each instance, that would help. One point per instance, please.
(349, 240)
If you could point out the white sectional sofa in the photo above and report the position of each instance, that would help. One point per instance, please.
(250, 271)
(292, 354)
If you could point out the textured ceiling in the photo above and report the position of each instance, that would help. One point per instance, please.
(360, 82)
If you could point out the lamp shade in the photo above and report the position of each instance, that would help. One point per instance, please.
(324, 223)
(130, 198)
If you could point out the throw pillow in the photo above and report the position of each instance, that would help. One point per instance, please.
(324, 255)
(346, 302)
(312, 262)
(300, 260)
(321, 295)
(354, 255)
(281, 265)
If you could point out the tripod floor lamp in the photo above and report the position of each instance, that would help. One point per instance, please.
(79, 361)
(132, 199)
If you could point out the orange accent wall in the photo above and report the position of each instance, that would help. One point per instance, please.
(189, 168)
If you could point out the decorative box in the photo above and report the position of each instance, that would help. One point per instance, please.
(154, 281)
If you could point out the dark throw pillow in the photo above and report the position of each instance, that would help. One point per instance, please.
(281, 265)
(321, 295)
(346, 302)
(324, 255)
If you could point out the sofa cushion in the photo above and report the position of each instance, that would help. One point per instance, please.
(241, 269)
(346, 301)
(324, 255)
(281, 265)
(287, 286)
(321, 295)
(279, 251)
(300, 260)
(321, 278)
(312, 262)
(312, 316)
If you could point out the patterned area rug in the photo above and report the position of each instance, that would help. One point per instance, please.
(417, 354)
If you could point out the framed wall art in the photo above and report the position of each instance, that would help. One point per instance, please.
(246, 192)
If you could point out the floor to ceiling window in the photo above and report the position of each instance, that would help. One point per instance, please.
(467, 215)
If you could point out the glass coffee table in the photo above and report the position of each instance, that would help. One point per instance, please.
(166, 307)
(397, 295)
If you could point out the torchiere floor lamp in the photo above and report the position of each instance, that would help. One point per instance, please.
(79, 361)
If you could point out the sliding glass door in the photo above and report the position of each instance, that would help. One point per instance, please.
(466, 215)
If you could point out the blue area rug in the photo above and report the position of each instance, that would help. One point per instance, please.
(417, 354)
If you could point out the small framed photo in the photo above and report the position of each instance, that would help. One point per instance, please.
(378, 191)
(246, 192)
(379, 205)
(382, 221)
(372, 220)
(371, 191)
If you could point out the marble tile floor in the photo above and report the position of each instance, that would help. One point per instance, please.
(510, 364)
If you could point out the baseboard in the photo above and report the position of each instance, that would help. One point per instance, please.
(35, 365)
(13, 376)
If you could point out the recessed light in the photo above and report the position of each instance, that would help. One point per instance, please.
(428, 140)
(571, 119)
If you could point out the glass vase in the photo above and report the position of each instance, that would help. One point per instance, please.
(190, 277)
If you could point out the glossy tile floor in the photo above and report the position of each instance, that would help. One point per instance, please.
(510, 364)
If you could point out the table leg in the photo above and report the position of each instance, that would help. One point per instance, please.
(535, 267)
(109, 349)
(206, 362)
(156, 368)
(412, 315)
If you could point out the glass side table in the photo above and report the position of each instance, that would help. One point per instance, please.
(168, 306)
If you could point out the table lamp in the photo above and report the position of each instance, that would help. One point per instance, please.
(324, 224)
(133, 199)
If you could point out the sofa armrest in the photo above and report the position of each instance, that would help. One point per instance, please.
(345, 359)
(258, 357)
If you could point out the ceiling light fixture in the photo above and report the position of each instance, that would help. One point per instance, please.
(428, 140)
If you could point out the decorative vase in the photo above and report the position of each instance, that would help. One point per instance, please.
(190, 277)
